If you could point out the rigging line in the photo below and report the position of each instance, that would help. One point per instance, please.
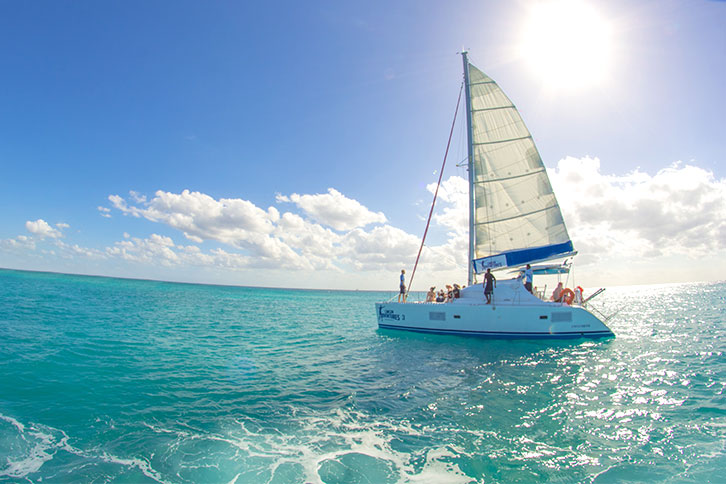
(441, 174)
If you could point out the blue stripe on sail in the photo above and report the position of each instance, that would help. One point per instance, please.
(522, 256)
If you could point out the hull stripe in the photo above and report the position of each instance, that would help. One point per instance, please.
(500, 334)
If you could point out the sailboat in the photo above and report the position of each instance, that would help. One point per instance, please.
(514, 220)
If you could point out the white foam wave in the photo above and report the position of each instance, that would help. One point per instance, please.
(41, 443)
(141, 464)
(13, 422)
(353, 441)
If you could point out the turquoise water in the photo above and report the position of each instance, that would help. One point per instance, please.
(109, 380)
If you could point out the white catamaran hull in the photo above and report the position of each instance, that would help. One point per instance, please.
(518, 314)
(514, 221)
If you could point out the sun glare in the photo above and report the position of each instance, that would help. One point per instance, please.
(567, 44)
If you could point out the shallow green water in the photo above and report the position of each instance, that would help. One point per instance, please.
(108, 380)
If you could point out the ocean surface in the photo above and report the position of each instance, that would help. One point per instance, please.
(125, 381)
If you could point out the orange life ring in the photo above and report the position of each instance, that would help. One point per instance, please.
(567, 296)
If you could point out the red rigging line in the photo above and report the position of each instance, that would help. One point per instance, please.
(441, 174)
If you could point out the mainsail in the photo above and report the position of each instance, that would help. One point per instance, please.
(516, 218)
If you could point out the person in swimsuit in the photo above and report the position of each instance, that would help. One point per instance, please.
(402, 294)
(490, 282)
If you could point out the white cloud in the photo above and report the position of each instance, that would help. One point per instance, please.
(155, 249)
(613, 219)
(71, 251)
(681, 210)
(273, 240)
(454, 212)
(41, 229)
(21, 242)
(137, 197)
(384, 247)
(161, 250)
(200, 217)
(104, 212)
(334, 210)
(316, 243)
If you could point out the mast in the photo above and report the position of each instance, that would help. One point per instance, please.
(470, 167)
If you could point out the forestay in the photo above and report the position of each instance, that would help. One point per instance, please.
(517, 219)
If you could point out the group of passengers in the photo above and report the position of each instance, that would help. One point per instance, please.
(451, 293)
(567, 295)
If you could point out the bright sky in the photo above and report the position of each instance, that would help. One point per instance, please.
(295, 144)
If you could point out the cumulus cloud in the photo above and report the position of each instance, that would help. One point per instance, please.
(200, 217)
(381, 248)
(104, 211)
(71, 251)
(41, 229)
(21, 242)
(316, 243)
(681, 210)
(452, 204)
(155, 249)
(162, 250)
(334, 210)
(268, 238)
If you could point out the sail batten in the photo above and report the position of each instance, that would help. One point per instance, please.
(510, 177)
(494, 108)
(516, 217)
(501, 141)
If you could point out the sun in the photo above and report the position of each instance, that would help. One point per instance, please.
(567, 44)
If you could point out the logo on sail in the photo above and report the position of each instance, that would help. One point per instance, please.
(493, 262)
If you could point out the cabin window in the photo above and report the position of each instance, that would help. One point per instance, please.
(562, 317)
(437, 316)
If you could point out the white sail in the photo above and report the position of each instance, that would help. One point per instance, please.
(516, 216)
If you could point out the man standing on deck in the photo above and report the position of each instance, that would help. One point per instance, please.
(402, 294)
(490, 282)
(528, 277)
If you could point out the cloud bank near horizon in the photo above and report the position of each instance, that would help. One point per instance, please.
(680, 210)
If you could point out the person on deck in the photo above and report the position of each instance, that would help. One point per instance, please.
(490, 282)
(457, 291)
(440, 297)
(402, 294)
(528, 278)
(431, 295)
(557, 294)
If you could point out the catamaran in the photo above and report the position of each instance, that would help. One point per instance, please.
(514, 220)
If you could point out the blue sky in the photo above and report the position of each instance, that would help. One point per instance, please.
(308, 133)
